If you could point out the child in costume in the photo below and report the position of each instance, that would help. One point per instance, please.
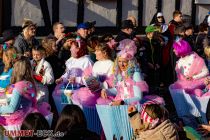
(8, 41)
(152, 122)
(9, 57)
(23, 100)
(42, 73)
(190, 68)
(126, 82)
(75, 67)
(76, 64)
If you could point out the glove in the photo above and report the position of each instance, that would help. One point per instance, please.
(38, 78)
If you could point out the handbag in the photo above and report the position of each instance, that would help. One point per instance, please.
(65, 96)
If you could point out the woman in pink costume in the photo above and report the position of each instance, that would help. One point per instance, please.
(126, 82)
(95, 77)
(190, 68)
(23, 92)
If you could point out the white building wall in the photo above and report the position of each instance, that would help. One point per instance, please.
(129, 7)
(168, 7)
(201, 12)
(103, 11)
(68, 12)
(28, 9)
(149, 10)
(186, 7)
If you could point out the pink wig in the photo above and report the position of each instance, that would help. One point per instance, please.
(127, 49)
(182, 48)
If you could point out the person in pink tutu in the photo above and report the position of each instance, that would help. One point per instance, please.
(23, 99)
(76, 64)
(126, 81)
(95, 77)
(190, 68)
(73, 78)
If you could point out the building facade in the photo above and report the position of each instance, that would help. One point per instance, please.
(107, 13)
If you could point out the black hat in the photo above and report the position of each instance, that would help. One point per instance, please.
(91, 24)
(8, 35)
(127, 24)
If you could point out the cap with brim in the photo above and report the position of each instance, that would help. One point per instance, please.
(91, 24)
(8, 35)
(82, 26)
(127, 24)
(150, 29)
(159, 14)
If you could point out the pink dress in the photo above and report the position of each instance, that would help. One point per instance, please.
(26, 103)
(190, 66)
(99, 73)
(129, 90)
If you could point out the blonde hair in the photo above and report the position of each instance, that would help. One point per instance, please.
(22, 71)
(26, 24)
(47, 45)
(11, 55)
(105, 49)
(207, 52)
(206, 44)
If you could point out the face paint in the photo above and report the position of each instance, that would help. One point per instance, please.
(78, 40)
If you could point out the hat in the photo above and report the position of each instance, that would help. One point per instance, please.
(150, 29)
(27, 23)
(8, 35)
(208, 20)
(127, 24)
(83, 26)
(146, 117)
(159, 14)
(90, 24)
(127, 49)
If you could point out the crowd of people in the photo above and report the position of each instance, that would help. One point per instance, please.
(103, 70)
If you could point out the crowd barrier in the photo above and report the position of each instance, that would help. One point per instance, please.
(187, 104)
(115, 121)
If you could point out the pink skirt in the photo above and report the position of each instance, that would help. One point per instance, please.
(17, 117)
(189, 86)
(83, 96)
(102, 101)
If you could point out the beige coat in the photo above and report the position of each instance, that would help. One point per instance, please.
(164, 131)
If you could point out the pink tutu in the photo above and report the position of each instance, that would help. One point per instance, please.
(102, 101)
(44, 108)
(17, 117)
(189, 86)
(83, 96)
(58, 91)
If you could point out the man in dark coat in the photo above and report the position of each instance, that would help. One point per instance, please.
(126, 31)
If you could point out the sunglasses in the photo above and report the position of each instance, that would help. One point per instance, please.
(159, 17)
(32, 28)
